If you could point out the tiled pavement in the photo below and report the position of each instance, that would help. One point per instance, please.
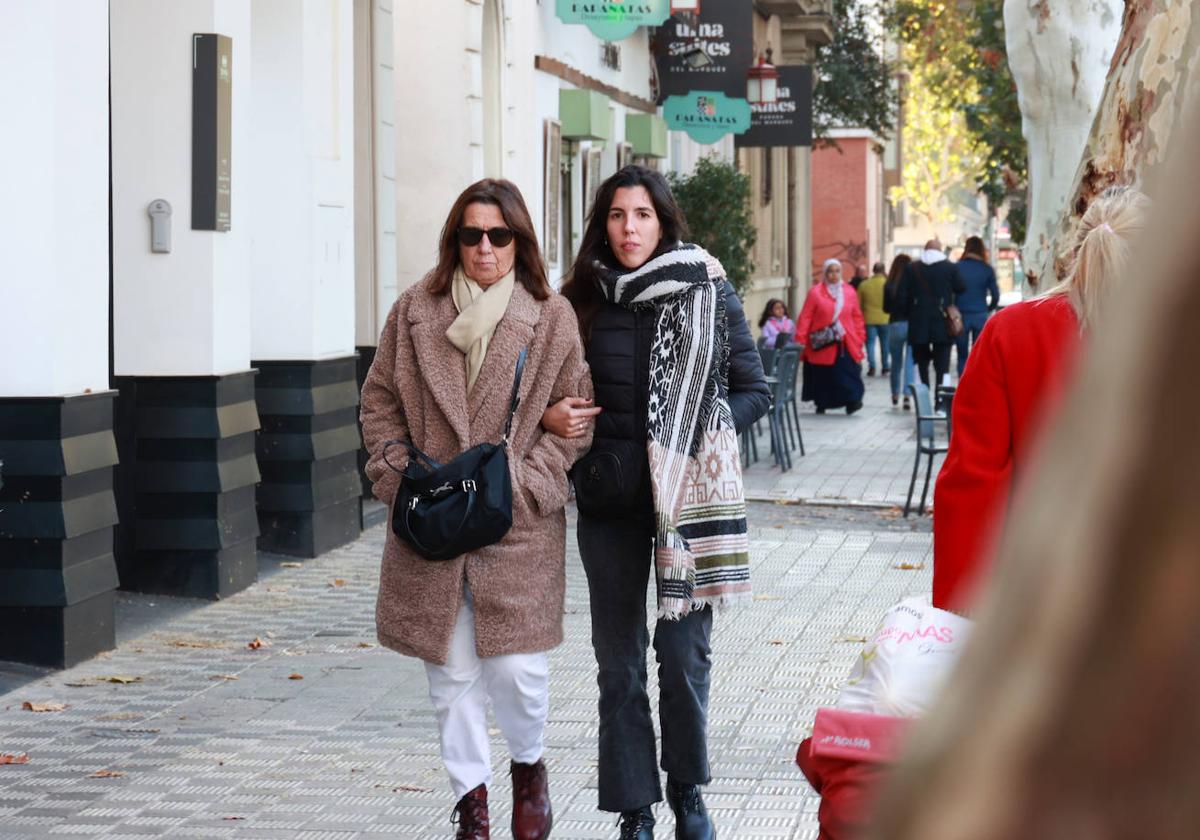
(320, 735)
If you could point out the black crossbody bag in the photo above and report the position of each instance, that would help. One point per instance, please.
(444, 510)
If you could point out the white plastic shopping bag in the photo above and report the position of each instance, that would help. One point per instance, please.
(904, 663)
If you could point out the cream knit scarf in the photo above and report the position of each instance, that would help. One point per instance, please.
(479, 311)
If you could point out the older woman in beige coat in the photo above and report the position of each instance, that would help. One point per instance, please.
(441, 378)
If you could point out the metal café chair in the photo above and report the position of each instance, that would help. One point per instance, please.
(777, 418)
(927, 443)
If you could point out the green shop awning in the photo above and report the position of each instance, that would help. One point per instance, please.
(583, 114)
(647, 133)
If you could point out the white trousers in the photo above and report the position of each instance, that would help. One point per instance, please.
(518, 687)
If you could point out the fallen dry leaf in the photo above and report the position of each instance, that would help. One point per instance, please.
(257, 643)
(366, 645)
(8, 758)
(909, 567)
(223, 677)
(120, 680)
(290, 565)
(775, 642)
(296, 677)
(195, 643)
(854, 639)
(338, 582)
(106, 774)
(410, 789)
(43, 707)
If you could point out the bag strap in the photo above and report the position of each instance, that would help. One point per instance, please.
(515, 400)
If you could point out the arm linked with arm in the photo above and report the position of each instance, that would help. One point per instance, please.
(543, 469)
(382, 416)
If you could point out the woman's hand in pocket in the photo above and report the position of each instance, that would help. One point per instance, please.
(569, 417)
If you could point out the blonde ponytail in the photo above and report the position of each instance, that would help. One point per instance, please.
(1101, 252)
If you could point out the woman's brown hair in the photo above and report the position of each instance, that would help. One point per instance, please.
(530, 270)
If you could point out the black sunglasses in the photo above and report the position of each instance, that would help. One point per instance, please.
(498, 236)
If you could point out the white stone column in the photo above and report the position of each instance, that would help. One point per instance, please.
(301, 184)
(181, 320)
(57, 450)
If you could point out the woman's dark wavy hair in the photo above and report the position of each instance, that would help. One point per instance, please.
(973, 247)
(762, 322)
(896, 272)
(582, 285)
(529, 267)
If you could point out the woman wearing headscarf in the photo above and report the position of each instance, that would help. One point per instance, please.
(833, 333)
(441, 380)
(1019, 371)
(677, 378)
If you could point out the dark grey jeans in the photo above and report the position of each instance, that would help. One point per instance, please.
(618, 557)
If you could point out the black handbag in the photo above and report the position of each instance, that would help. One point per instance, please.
(445, 510)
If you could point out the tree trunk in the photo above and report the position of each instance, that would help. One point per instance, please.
(1059, 54)
(1152, 79)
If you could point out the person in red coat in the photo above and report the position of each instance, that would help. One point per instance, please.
(1015, 377)
(833, 333)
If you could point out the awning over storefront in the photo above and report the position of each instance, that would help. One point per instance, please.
(647, 133)
(584, 114)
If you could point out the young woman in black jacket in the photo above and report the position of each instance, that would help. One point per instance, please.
(677, 377)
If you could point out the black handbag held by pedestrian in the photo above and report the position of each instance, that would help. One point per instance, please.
(444, 510)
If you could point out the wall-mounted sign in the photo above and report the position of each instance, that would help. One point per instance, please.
(713, 52)
(613, 20)
(212, 144)
(788, 120)
(707, 115)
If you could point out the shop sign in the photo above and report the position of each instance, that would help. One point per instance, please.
(707, 115)
(615, 20)
(722, 33)
(788, 120)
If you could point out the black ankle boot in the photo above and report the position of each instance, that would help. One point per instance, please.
(637, 825)
(691, 817)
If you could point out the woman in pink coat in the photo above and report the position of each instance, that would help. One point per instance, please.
(832, 331)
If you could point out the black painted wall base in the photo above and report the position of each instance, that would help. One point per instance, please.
(310, 499)
(186, 484)
(57, 512)
(366, 356)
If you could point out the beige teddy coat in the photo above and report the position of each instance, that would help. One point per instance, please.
(417, 387)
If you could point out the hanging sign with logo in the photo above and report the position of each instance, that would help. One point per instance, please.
(706, 115)
(614, 20)
(710, 51)
(788, 120)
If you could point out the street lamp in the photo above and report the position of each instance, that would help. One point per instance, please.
(762, 82)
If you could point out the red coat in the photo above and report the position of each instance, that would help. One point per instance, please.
(818, 314)
(1015, 377)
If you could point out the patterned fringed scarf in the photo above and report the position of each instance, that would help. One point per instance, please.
(701, 549)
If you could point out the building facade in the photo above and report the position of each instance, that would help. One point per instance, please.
(213, 204)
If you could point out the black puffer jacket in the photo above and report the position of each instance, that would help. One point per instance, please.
(618, 353)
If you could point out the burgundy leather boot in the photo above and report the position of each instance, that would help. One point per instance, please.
(471, 814)
(531, 819)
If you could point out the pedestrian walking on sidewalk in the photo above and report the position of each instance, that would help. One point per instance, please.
(978, 300)
(1021, 366)
(832, 331)
(775, 322)
(441, 379)
(678, 378)
(870, 297)
(898, 346)
(927, 288)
